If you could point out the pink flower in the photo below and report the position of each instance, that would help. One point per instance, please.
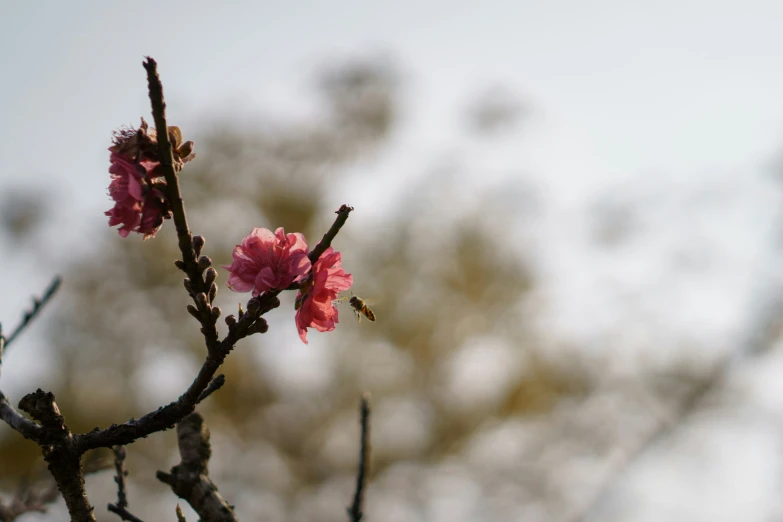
(125, 215)
(315, 301)
(137, 207)
(154, 212)
(126, 189)
(266, 261)
(126, 179)
(138, 191)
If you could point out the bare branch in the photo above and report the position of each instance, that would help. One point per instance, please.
(28, 500)
(121, 507)
(189, 479)
(38, 304)
(213, 386)
(166, 156)
(355, 513)
(60, 453)
(13, 418)
(326, 241)
(17, 421)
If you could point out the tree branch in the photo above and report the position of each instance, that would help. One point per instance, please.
(192, 266)
(121, 507)
(28, 500)
(166, 157)
(190, 480)
(213, 386)
(38, 304)
(60, 453)
(326, 241)
(355, 510)
(27, 428)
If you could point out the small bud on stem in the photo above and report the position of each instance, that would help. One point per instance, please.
(201, 301)
(192, 311)
(198, 244)
(260, 326)
(204, 262)
(253, 306)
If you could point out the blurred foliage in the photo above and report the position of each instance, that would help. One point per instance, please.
(494, 110)
(451, 300)
(21, 212)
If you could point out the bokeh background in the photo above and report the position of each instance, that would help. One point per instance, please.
(567, 219)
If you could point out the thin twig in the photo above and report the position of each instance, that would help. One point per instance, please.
(27, 428)
(35, 497)
(28, 500)
(121, 507)
(326, 241)
(355, 510)
(29, 315)
(166, 157)
(214, 385)
(184, 236)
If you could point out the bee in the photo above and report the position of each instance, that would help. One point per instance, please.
(360, 308)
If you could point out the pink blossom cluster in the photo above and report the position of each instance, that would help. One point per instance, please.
(137, 188)
(267, 261)
(139, 205)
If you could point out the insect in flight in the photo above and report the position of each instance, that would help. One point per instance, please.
(360, 308)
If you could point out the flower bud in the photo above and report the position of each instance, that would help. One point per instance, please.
(210, 276)
(215, 313)
(180, 264)
(201, 300)
(187, 285)
(260, 326)
(253, 306)
(192, 311)
(198, 244)
(231, 321)
(204, 262)
(212, 292)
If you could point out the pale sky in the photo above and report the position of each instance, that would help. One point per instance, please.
(679, 85)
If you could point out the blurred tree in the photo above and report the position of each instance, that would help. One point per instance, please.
(22, 211)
